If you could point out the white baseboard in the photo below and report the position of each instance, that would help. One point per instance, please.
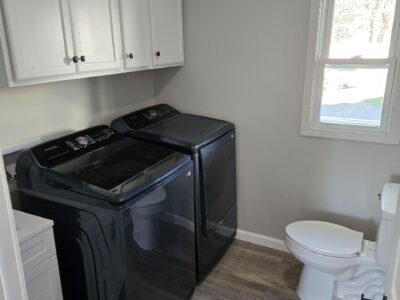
(261, 240)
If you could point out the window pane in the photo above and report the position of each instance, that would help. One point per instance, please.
(352, 95)
(362, 28)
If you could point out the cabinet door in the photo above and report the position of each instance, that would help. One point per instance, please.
(135, 23)
(167, 32)
(39, 38)
(97, 35)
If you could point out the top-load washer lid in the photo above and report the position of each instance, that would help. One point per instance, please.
(326, 238)
(99, 160)
(163, 124)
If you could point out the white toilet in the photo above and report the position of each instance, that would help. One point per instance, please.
(338, 263)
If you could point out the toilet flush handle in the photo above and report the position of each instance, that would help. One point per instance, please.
(384, 297)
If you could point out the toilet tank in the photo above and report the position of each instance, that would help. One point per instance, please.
(389, 199)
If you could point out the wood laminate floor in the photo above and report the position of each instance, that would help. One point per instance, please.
(251, 272)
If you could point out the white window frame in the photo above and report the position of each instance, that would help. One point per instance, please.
(320, 27)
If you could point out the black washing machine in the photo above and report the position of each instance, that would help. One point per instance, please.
(123, 214)
(211, 144)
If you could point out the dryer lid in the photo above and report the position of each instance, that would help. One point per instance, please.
(188, 130)
(326, 238)
(165, 125)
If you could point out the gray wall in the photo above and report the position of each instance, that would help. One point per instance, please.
(1, 291)
(50, 109)
(245, 62)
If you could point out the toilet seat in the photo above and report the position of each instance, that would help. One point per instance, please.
(326, 238)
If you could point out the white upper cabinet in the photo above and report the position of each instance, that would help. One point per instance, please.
(39, 38)
(51, 40)
(167, 32)
(97, 36)
(136, 34)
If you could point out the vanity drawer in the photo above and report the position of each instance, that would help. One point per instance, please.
(43, 282)
(37, 249)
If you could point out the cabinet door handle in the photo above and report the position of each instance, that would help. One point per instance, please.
(158, 53)
(74, 59)
(83, 58)
(130, 55)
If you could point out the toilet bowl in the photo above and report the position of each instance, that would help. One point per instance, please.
(339, 264)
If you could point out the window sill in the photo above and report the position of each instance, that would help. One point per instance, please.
(342, 134)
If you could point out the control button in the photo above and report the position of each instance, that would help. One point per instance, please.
(82, 141)
(72, 145)
(153, 114)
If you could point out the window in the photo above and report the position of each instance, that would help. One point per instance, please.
(352, 71)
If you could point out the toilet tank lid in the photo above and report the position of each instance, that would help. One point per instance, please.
(326, 238)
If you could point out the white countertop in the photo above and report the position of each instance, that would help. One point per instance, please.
(29, 225)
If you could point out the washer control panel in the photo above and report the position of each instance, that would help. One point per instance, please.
(74, 145)
(149, 116)
(86, 140)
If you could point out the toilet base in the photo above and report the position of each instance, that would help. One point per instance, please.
(315, 284)
(364, 279)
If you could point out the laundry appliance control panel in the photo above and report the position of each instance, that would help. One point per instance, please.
(149, 116)
(72, 146)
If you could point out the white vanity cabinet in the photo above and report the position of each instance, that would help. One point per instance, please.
(39, 257)
(167, 32)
